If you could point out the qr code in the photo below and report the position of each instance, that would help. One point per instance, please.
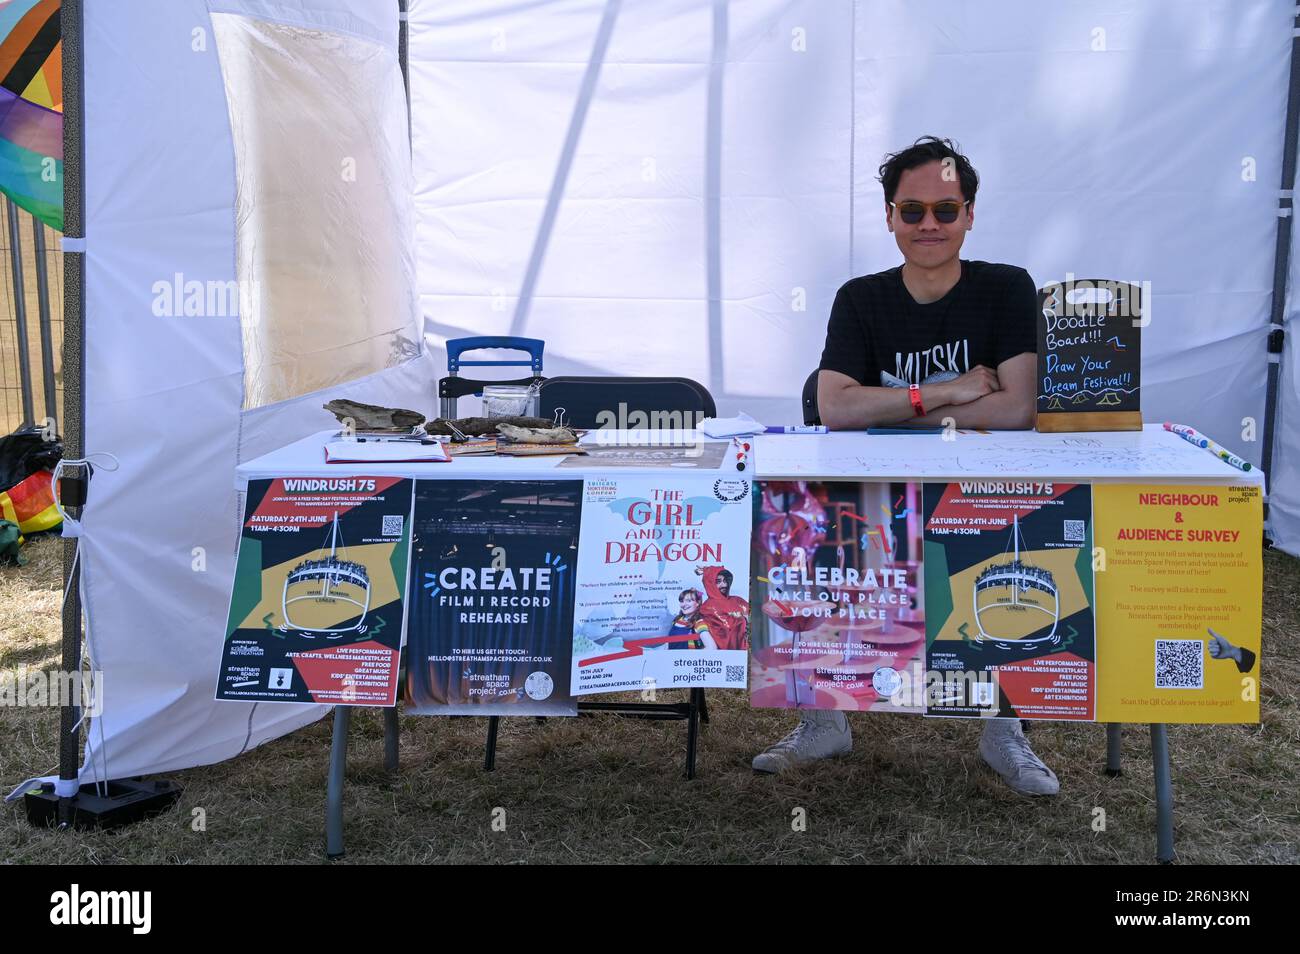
(393, 525)
(1073, 531)
(982, 694)
(735, 674)
(1180, 664)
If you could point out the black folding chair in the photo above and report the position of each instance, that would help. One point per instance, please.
(633, 404)
(627, 403)
(811, 416)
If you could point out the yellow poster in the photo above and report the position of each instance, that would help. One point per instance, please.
(1179, 597)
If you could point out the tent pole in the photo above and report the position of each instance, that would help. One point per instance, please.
(1282, 256)
(43, 311)
(74, 311)
(403, 48)
(392, 728)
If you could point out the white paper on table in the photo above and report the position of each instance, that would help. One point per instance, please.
(371, 452)
(739, 426)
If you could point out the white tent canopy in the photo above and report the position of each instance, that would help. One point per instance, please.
(669, 188)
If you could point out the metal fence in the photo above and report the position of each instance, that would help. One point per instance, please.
(31, 321)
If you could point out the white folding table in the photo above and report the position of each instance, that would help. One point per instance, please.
(1151, 455)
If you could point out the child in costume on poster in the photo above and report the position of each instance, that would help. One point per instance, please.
(938, 340)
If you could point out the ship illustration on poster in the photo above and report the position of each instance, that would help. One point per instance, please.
(1012, 632)
(1007, 595)
(317, 606)
(327, 579)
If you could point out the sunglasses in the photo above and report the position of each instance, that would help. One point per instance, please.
(913, 212)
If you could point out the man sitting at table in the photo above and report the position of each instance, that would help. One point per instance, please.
(937, 340)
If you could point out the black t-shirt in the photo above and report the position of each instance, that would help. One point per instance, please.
(879, 336)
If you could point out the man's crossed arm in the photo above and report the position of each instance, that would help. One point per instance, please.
(995, 400)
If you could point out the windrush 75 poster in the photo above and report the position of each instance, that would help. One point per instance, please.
(317, 608)
(491, 596)
(839, 619)
(662, 599)
(1009, 599)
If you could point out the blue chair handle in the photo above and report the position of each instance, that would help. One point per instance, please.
(458, 346)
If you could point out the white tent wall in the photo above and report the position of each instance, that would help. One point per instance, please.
(164, 394)
(681, 187)
(675, 187)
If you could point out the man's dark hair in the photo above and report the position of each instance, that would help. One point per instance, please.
(928, 149)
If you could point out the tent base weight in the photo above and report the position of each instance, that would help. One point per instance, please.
(127, 801)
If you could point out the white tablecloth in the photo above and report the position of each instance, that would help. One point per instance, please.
(1152, 455)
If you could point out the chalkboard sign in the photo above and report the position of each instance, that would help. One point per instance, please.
(1090, 356)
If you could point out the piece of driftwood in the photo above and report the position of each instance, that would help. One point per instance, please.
(537, 435)
(372, 417)
(483, 426)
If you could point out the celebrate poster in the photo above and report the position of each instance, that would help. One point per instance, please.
(1009, 600)
(491, 596)
(1179, 602)
(839, 618)
(317, 609)
(663, 584)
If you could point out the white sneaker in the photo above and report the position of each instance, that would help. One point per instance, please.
(820, 734)
(1007, 752)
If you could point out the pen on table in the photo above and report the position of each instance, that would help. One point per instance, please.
(397, 440)
(742, 452)
(1228, 456)
(1194, 436)
(796, 429)
(1188, 434)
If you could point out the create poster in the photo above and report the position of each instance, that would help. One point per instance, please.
(491, 596)
(663, 595)
(1179, 602)
(317, 610)
(839, 619)
(1009, 600)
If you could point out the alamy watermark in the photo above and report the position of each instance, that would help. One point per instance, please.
(626, 427)
(45, 688)
(181, 297)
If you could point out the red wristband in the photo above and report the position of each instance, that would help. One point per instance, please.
(914, 393)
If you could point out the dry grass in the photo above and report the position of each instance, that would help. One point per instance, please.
(607, 790)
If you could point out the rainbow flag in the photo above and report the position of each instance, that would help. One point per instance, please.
(30, 503)
(31, 107)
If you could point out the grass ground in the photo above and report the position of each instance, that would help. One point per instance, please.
(608, 790)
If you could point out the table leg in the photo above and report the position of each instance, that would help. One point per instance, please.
(1164, 795)
(692, 731)
(334, 789)
(490, 752)
(1113, 737)
(391, 733)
